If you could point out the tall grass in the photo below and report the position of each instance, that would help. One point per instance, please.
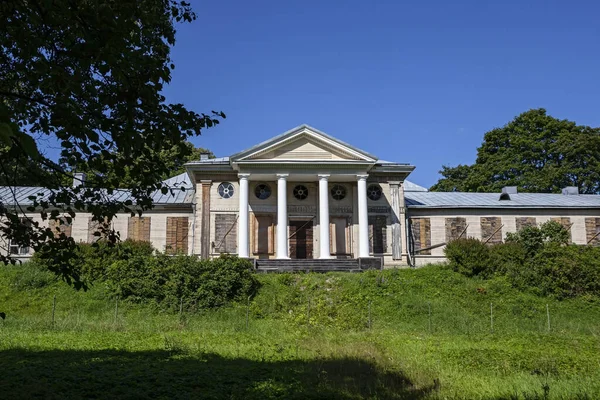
(288, 351)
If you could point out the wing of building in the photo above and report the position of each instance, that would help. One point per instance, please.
(307, 195)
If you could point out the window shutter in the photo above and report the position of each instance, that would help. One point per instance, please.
(139, 229)
(225, 233)
(490, 229)
(177, 235)
(566, 223)
(377, 234)
(523, 222)
(420, 229)
(592, 227)
(455, 227)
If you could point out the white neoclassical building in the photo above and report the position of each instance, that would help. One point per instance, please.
(302, 195)
(305, 195)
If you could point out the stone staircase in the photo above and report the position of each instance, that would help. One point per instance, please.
(302, 265)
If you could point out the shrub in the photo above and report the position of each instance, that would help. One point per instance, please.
(565, 271)
(470, 257)
(507, 258)
(533, 238)
(169, 279)
(135, 271)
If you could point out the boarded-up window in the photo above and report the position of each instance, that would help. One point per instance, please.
(16, 249)
(491, 229)
(565, 222)
(59, 227)
(264, 230)
(420, 231)
(377, 234)
(177, 235)
(592, 231)
(96, 230)
(225, 233)
(139, 229)
(456, 228)
(523, 222)
(338, 236)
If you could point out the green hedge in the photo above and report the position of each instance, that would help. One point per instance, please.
(135, 271)
(536, 258)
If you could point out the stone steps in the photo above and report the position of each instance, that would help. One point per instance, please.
(317, 265)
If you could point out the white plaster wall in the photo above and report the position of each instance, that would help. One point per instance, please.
(508, 220)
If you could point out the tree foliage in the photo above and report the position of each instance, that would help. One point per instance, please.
(536, 152)
(88, 76)
(172, 159)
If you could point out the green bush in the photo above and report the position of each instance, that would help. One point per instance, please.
(135, 271)
(535, 258)
(171, 279)
(564, 271)
(470, 257)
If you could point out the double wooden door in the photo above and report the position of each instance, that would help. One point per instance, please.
(301, 239)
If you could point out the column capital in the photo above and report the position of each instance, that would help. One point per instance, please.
(323, 176)
(394, 183)
(282, 176)
(243, 176)
(205, 181)
(362, 177)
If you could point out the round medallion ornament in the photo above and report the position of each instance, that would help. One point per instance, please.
(374, 192)
(301, 192)
(262, 191)
(225, 190)
(338, 192)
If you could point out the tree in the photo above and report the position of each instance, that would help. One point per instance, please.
(172, 159)
(536, 152)
(88, 75)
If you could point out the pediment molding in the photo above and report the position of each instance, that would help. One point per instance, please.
(303, 144)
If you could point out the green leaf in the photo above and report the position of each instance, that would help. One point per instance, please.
(6, 134)
(28, 145)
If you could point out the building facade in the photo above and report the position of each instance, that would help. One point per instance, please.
(307, 195)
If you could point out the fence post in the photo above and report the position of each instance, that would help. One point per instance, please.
(308, 313)
(247, 312)
(429, 306)
(548, 315)
(370, 314)
(116, 308)
(53, 309)
(492, 317)
(181, 308)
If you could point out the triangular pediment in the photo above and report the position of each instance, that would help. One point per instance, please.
(303, 144)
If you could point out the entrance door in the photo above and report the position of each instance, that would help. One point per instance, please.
(301, 239)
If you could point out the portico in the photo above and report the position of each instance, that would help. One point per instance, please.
(302, 195)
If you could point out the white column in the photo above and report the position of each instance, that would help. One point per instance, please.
(363, 217)
(282, 218)
(324, 216)
(243, 218)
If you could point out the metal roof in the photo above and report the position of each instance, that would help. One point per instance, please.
(20, 194)
(218, 160)
(413, 187)
(492, 200)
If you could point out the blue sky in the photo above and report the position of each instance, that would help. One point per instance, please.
(417, 82)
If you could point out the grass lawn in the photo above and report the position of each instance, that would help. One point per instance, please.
(415, 334)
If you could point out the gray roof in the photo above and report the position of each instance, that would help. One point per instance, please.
(492, 200)
(413, 187)
(20, 194)
(218, 160)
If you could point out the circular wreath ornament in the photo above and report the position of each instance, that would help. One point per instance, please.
(225, 190)
(301, 192)
(338, 192)
(262, 191)
(374, 192)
